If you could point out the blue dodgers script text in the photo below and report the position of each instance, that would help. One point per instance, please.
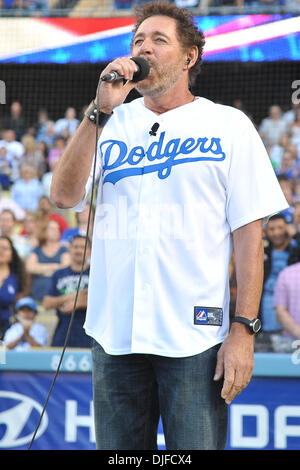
(116, 154)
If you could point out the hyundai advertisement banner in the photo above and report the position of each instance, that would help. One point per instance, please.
(265, 416)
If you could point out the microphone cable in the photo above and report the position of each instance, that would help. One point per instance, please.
(79, 281)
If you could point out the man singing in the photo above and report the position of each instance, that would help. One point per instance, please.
(182, 181)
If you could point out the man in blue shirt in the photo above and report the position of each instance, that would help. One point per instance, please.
(62, 295)
(279, 252)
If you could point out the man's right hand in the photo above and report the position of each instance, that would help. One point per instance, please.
(112, 94)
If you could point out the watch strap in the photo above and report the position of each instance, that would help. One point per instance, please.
(92, 112)
(247, 322)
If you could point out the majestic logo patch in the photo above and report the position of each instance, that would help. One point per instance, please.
(208, 316)
(116, 155)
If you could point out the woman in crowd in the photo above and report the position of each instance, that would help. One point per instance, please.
(46, 258)
(27, 190)
(56, 151)
(33, 156)
(29, 232)
(12, 281)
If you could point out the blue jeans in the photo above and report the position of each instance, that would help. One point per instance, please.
(132, 391)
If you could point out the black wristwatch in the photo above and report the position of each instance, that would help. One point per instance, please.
(254, 326)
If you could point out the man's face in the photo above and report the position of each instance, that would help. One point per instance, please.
(275, 112)
(70, 113)
(277, 232)
(77, 250)
(7, 223)
(287, 160)
(156, 40)
(9, 136)
(16, 109)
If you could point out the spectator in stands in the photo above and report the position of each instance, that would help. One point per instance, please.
(46, 258)
(286, 185)
(81, 227)
(27, 190)
(8, 225)
(37, 5)
(273, 127)
(294, 149)
(16, 121)
(292, 6)
(5, 169)
(7, 203)
(15, 150)
(12, 281)
(32, 155)
(42, 120)
(43, 149)
(288, 166)
(67, 126)
(294, 227)
(29, 233)
(47, 179)
(287, 304)
(56, 152)
(47, 135)
(294, 129)
(62, 295)
(45, 208)
(280, 252)
(276, 151)
(296, 190)
(289, 116)
(275, 157)
(25, 332)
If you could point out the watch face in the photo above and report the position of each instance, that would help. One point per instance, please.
(256, 325)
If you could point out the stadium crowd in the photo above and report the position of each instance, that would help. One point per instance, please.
(45, 6)
(42, 248)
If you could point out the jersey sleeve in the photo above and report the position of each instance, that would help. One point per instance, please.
(253, 191)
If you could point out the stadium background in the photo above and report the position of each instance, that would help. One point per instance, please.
(259, 73)
(54, 77)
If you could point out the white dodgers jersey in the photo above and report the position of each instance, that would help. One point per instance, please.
(167, 204)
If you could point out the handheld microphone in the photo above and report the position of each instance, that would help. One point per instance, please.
(154, 129)
(142, 72)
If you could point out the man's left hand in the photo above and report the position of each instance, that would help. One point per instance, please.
(235, 362)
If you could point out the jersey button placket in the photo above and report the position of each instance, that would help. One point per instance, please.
(145, 262)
